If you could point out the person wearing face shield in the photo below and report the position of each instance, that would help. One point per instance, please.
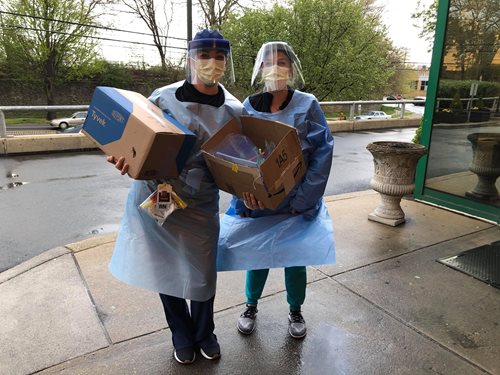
(177, 258)
(299, 232)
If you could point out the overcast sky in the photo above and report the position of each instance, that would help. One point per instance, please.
(397, 17)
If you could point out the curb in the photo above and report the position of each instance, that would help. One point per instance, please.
(44, 143)
(36, 261)
(363, 125)
(23, 144)
(92, 242)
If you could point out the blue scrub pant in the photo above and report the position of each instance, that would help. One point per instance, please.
(195, 329)
(295, 282)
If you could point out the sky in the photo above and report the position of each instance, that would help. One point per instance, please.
(396, 16)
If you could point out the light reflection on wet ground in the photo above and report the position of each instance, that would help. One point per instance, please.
(105, 229)
(12, 185)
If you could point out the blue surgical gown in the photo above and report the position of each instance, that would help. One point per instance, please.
(276, 238)
(176, 258)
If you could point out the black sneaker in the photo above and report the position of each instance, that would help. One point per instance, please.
(185, 355)
(211, 352)
(296, 325)
(246, 321)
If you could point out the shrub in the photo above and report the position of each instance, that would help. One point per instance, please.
(456, 104)
(418, 133)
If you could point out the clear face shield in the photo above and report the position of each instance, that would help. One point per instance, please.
(276, 68)
(209, 66)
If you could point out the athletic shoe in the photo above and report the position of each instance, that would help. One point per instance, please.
(296, 325)
(246, 321)
(185, 356)
(211, 352)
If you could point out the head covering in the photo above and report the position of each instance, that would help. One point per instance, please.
(200, 70)
(267, 57)
(209, 39)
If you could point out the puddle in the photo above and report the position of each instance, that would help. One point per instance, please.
(106, 229)
(12, 185)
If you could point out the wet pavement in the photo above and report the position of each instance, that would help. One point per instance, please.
(386, 307)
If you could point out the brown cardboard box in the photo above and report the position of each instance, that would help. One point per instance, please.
(276, 176)
(125, 123)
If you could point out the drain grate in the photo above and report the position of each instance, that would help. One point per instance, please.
(482, 262)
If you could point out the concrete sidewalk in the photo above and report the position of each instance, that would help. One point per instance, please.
(386, 307)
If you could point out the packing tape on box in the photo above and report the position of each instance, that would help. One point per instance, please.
(286, 182)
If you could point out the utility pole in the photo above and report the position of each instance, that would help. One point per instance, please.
(189, 20)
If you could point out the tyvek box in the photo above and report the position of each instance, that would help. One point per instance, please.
(276, 176)
(125, 123)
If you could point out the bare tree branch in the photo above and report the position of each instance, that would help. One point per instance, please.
(216, 12)
(147, 11)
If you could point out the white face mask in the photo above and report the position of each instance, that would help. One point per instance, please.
(275, 77)
(210, 71)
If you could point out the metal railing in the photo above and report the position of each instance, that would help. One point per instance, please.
(39, 108)
(356, 104)
(353, 105)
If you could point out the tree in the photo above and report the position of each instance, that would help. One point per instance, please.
(404, 73)
(471, 35)
(216, 12)
(342, 46)
(426, 16)
(45, 39)
(147, 10)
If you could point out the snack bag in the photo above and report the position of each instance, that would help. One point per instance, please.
(162, 202)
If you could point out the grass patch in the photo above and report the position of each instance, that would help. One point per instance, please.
(334, 115)
(393, 111)
(26, 120)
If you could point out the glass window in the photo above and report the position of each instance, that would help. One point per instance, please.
(464, 150)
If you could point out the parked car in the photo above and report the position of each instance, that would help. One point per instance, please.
(373, 115)
(77, 118)
(419, 98)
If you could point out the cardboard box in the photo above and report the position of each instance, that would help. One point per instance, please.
(276, 176)
(125, 123)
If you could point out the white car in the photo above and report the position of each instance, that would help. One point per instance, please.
(77, 118)
(373, 115)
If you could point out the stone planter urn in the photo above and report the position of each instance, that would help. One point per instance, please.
(485, 164)
(395, 165)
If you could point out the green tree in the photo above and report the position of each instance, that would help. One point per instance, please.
(426, 21)
(471, 34)
(46, 39)
(341, 44)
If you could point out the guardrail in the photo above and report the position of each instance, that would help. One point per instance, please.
(41, 108)
(352, 104)
(358, 103)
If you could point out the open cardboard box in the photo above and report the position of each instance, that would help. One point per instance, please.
(125, 123)
(276, 176)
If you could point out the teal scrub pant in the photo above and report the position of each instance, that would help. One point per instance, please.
(295, 282)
